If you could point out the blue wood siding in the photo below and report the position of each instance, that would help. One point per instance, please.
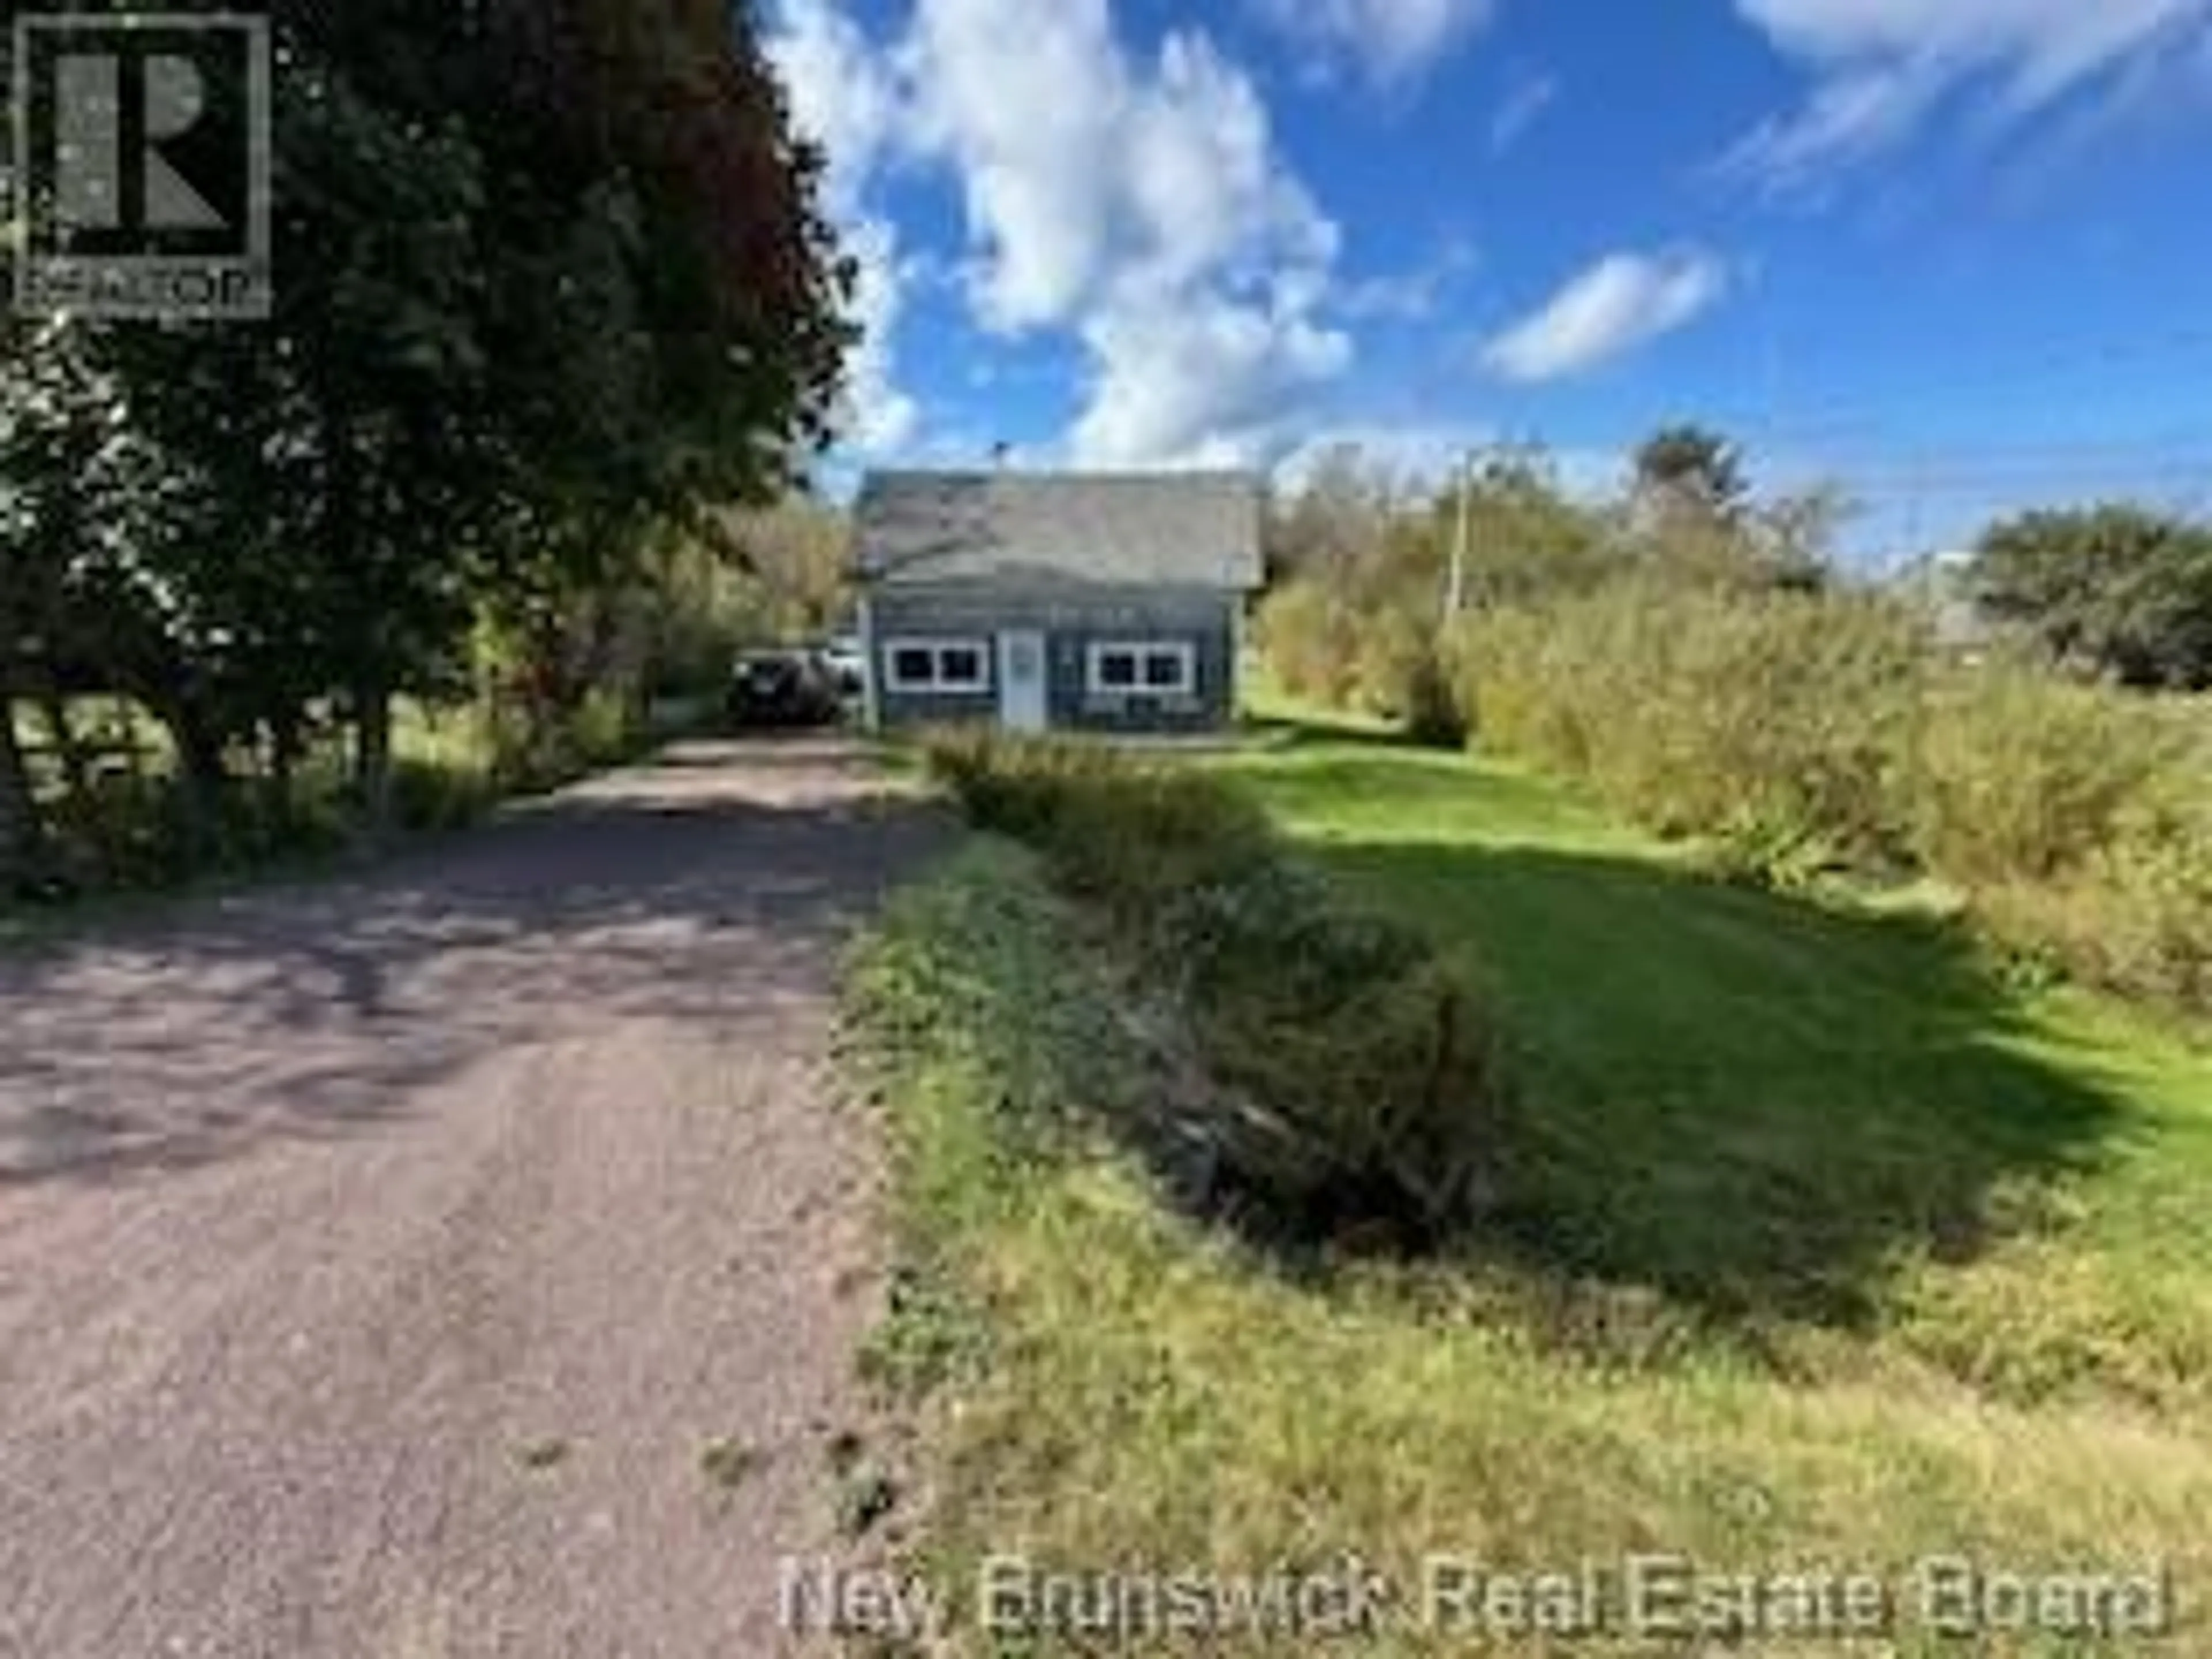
(1071, 623)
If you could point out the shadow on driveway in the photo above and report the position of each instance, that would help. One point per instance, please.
(713, 888)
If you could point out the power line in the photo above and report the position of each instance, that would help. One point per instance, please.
(2047, 367)
(2076, 477)
(2175, 445)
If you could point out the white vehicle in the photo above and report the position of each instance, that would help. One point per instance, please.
(846, 658)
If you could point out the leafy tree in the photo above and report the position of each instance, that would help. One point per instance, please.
(43, 443)
(1363, 613)
(1336, 518)
(551, 276)
(1793, 537)
(1696, 517)
(2121, 589)
(80, 496)
(797, 556)
(1690, 467)
(342, 448)
(1526, 539)
(23, 853)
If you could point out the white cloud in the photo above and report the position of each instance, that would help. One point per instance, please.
(1204, 382)
(1392, 43)
(1524, 106)
(843, 98)
(1011, 102)
(842, 95)
(1413, 296)
(1140, 205)
(1884, 66)
(1082, 170)
(1623, 302)
(881, 419)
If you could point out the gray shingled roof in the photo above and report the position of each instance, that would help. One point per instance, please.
(1170, 530)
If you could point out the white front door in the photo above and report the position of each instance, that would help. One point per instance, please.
(1023, 706)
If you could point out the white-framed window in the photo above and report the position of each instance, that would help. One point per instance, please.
(940, 667)
(1144, 668)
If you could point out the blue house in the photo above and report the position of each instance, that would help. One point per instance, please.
(1111, 602)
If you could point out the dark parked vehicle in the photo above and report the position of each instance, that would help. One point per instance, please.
(783, 688)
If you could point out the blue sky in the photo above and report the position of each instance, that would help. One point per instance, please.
(1950, 254)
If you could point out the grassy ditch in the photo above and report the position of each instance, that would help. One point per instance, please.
(1342, 1076)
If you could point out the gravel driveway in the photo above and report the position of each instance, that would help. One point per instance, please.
(463, 1259)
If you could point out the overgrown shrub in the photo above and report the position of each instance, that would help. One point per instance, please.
(129, 832)
(1358, 1072)
(1396, 645)
(604, 730)
(2026, 777)
(1373, 1066)
(1383, 654)
(1403, 677)
(1312, 641)
(1126, 836)
(2135, 916)
(1019, 800)
(1772, 721)
(430, 796)
(1434, 713)
(149, 828)
(1800, 733)
(532, 749)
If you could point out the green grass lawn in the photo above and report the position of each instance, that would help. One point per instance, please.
(1772, 1109)
(1826, 1249)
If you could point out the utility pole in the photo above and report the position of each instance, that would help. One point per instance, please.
(1456, 595)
